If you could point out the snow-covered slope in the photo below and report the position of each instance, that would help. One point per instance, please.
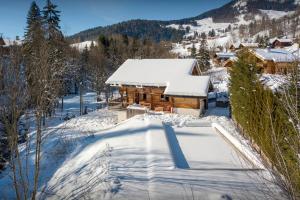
(275, 14)
(81, 45)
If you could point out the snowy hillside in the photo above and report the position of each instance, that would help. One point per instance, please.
(81, 45)
(274, 14)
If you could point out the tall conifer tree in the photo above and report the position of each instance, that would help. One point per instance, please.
(203, 54)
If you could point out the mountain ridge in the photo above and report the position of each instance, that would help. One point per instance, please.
(156, 29)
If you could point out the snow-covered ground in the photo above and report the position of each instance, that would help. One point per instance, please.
(274, 81)
(151, 156)
(219, 79)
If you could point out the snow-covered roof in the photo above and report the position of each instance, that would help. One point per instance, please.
(225, 54)
(247, 44)
(174, 74)
(275, 55)
(294, 49)
(236, 45)
(284, 40)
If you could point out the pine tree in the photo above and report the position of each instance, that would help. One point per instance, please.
(56, 47)
(51, 17)
(32, 46)
(203, 54)
(125, 39)
(193, 51)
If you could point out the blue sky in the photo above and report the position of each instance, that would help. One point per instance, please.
(78, 15)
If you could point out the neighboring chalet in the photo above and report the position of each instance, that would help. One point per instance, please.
(237, 46)
(274, 61)
(168, 85)
(221, 57)
(281, 43)
(234, 47)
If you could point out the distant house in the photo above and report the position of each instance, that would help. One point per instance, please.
(169, 85)
(274, 61)
(221, 57)
(281, 43)
(235, 46)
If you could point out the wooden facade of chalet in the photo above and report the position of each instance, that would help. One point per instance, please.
(272, 67)
(154, 99)
(171, 85)
(281, 43)
(229, 63)
(220, 59)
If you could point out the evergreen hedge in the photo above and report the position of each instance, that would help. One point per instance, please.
(265, 121)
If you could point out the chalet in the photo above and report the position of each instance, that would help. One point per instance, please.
(168, 85)
(221, 57)
(235, 46)
(274, 61)
(281, 43)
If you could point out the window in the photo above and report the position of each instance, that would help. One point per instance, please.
(164, 98)
(144, 96)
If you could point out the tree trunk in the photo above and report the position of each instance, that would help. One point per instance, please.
(37, 154)
(62, 103)
(80, 99)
